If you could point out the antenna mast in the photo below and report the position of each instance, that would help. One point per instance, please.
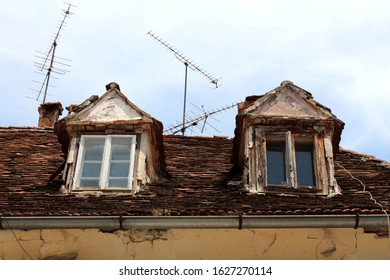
(48, 60)
(188, 64)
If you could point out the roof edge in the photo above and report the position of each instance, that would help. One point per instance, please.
(192, 222)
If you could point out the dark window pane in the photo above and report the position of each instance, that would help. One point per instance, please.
(276, 173)
(304, 162)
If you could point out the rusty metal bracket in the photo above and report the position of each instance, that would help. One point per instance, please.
(357, 220)
(240, 221)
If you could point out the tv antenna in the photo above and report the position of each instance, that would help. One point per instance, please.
(51, 63)
(187, 64)
(199, 121)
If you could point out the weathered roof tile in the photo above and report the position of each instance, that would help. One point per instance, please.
(200, 184)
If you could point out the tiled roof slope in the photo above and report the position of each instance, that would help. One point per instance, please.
(200, 183)
(28, 157)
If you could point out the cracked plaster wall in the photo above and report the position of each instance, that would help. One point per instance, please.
(194, 244)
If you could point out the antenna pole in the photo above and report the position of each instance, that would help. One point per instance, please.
(49, 70)
(49, 60)
(187, 64)
(185, 98)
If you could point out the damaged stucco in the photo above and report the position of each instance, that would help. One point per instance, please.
(194, 244)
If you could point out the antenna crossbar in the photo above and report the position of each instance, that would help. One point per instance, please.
(188, 64)
(184, 59)
(197, 119)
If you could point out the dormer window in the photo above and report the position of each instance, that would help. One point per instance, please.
(285, 141)
(287, 160)
(110, 145)
(105, 162)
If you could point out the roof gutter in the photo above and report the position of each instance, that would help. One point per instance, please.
(194, 222)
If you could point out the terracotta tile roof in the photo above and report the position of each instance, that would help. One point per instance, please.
(200, 184)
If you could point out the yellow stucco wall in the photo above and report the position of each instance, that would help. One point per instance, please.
(194, 244)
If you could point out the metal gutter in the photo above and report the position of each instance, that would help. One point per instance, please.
(194, 222)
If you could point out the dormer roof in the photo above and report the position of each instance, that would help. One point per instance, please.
(286, 105)
(288, 101)
(110, 107)
(112, 111)
(285, 101)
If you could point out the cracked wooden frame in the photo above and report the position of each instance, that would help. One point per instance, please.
(256, 154)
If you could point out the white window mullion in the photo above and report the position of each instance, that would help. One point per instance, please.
(132, 159)
(106, 163)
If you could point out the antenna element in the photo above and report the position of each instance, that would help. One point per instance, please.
(188, 64)
(49, 61)
(194, 122)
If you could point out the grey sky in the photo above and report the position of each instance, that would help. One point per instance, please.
(337, 50)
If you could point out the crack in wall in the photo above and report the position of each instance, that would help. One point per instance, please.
(271, 244)
(253, 243)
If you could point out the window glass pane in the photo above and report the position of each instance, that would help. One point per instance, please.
(120, 149)
(119, 169)
(93, 149)
(91, 169)
(276, 173)
(89, 183)
(304, 162)
(115, 158)
(118, 183)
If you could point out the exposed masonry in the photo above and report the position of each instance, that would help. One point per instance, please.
(327, 246)
(49, 114)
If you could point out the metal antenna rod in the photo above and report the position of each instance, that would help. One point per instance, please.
(49, 59)
(49, 71)
(54, 45)
(187, 63)
(185, 98)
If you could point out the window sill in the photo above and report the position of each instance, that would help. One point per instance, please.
(288, 191)
(99, 192)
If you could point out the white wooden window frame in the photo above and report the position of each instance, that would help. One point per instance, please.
(104, 173)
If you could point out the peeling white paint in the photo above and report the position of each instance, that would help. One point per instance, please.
(111, 109)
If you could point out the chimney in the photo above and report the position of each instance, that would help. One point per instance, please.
(49, 113)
